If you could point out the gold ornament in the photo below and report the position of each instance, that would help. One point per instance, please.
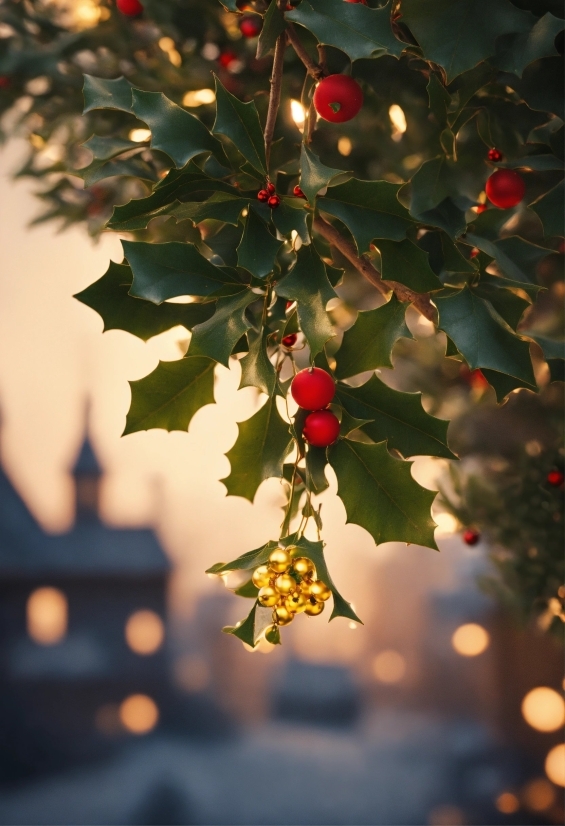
(267, 596)
(282, 615)
(279, 561)
(284, 584)
(303, 566)
(319, 590)
(261, 576)
(295, 602)
(314, 608)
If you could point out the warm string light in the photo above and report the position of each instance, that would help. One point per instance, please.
(470, 640)
(298, 113)
(144, 632)
(543, 709)
(47, 616)
(398, 121)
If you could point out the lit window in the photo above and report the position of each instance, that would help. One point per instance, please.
(139, 714)
(543, 709)
(47, 616)
(470, 640)
(144, 632)
(389, 667)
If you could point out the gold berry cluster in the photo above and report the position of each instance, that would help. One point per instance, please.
(289, 586)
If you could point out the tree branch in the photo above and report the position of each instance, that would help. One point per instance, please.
(313, 68)
(275, 94)
(368, 271)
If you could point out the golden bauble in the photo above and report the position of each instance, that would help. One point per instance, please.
(284, 584)
(282, 615)
(295, 602)
(314, 608)
(319, 590)
(261, 576)
(303, 566)
(279, 561)
(267, 596)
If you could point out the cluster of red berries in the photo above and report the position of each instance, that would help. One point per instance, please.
(131, 8)
(269, 196)
(313, 389)
(289, 586)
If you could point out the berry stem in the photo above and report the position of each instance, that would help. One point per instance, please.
(285, 527)
(275, 93)
(312, 67)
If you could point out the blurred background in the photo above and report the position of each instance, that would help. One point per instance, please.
(120, 700)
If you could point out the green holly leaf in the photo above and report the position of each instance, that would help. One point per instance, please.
(100, 93)
(369, 209)
(508, 305)
(103, 149)
(109, 297)
(256, 367)
(245, 631)
(316, 461)
(462, 33)
(258, 249)
(315, 552)
(405, 262)
(549, 209)
(314, 175)
(396, 417)
(169, 397)
(247, 590)
(503, 384)
(216, 337)
(274, 25)
(239, 122)
(131, 167)
(432, 190)
(162, 271)
(515, 257)
(259, 452)
(380, 494)
(482, 337)
(252, 559)
(440, 99)
(516, 51)
(174, 131)
(221, 206)
(349, 424)
(291, 215)
(308, 285)
(368, 344)
(357, 30)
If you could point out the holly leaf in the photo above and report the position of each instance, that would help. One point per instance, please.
(162, 271)
(405, 262)
(439, 98)
(174, 131)
(221, 206)
(462, 33)
(100, 93)
(239, 122)
(130, 167)
(291, 215)
(259, 452)
(315, 552)
(245, 631)
(308, 285)
(349, 424)
(368, 344)
(516, 51)
(103, 149)
(109, 297)
(314, 175)
(482, 337)
(216, 337)
(515, 257)
(508, 305)
(274, 24)
(357, 30)
(549, 209)
(369, 209)
(396, 417)
(380, 494)
(316, 461)
(258, 248)
(256, 368)
(503, 384)
(252, 559)
(431, 201)
(169, 397)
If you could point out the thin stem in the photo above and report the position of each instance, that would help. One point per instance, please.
(275, 95)
(311, 66)
(368, 271)
(285, 527)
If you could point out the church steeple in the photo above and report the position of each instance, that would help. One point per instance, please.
(87, 474)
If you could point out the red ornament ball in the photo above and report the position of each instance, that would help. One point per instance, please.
(274, 201)
(312, 388)
(263, 195)
(321, 428)
(471, 537)
(289, 340)
(131, 8)
(338, 98)
(250, 25)
(505, 188)
(298, 192)
(495, 155)
(555, 478)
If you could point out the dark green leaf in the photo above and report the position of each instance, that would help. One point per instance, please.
(503, 384)
(245, 631)
(368, 344)
(252, 559)
(515, 52)
(314, 175)
(220, 207)
(349, 424)
(432, 188)
(258, 248)
(440, 99)
(247, 590)
(291, 215)
(552, 348)
(316, 461)
(259, 451)
(515, 257)
(406, 263)
(396, 417)
(549, 208)
(315, 552)
(256, 368)
(100, 93)
(131, 167)
(239, 122)
(274, 24)
(217, 337)
(105, 148)
(169, 397)
(506, 303)
(380, 494)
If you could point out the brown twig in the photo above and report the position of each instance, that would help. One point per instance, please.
(275, 94)
(312, 67)
(368, 271)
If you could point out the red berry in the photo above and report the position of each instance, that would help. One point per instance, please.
(298, 192)
(555, 478)
(289, 304)
(289, 340)
(364, 2)
(338, 98)
(480, 208)
(505, 188)
(471, 537)
(131, 8)
(251, 25)
(321, 428)
(474, 252)
(227, 58)
(312, 388)
(495, 155)
(274, 201)
(271, 188)
(262, 195)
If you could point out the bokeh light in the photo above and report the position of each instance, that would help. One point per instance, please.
(139, 135)
(198, 97)
(192, 673)
(297, 113)
(139, 714)
(47, 616)
(470, 640)
(389, 667)
(507, 803)
(543, 709)
(539, 795)
(344, 146)
(398, 121)
(555, 765)
(144, 632)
